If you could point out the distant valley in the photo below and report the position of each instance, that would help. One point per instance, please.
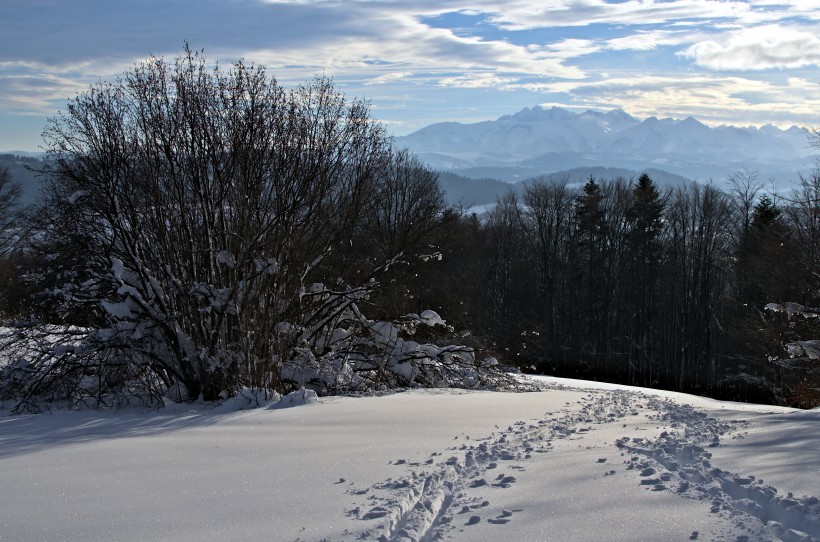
(466, 192)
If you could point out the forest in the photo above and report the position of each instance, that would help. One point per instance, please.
(205, 232)
(692, 289)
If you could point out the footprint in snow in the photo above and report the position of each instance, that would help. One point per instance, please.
(376, 513)
(505, 481)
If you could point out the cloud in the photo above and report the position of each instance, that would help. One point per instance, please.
(476, 80)
(647, 40)
(573, 48)
(428, 57)
(759, 48)
(388, 78)
(641, 40)
(374, 44)
(528, 14)
(712, 99)
(34, 93)
(325, 34)
(401, 42)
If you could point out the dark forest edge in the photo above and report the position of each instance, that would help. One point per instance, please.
(204, 231)
(678, 290)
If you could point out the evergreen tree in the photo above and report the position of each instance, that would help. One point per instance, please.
(644, 245)
(591, 225)
(765, 257)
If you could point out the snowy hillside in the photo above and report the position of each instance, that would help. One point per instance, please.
(538, 141)
(577, 461)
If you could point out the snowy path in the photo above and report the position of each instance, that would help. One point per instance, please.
(565, 464)
(434, 503)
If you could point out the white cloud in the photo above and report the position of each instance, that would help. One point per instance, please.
(759, 48)
(405, 42)
(647, 40)
(715, 100)
(388, 78)
(802, 8)
(407, 54)
(572, 48)
(476, 80)
(35, 93)
(529, 14)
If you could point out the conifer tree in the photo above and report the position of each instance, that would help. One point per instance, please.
(644, 244)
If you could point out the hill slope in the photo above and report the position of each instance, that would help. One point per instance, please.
(577, 461)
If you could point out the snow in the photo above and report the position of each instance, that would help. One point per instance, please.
(76, 196)
(226, 258)
(792, 309)
(431, 318)
(576, 461)
(121, 310)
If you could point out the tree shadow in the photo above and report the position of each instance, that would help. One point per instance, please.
(33, 433)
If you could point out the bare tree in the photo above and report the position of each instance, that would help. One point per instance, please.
(407, 204)
(10, 237)
(697, 265)
(10, 191)
(548, 225)
(744, 187)
(203, 204)
(803, 211)
(507, 273)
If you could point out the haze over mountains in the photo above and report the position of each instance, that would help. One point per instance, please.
(572, 146)
(540, 141)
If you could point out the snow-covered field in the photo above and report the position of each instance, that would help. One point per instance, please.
(577, 461)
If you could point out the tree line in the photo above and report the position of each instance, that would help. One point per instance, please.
(618, 281)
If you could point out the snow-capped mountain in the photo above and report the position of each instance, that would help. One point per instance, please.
(538, 141)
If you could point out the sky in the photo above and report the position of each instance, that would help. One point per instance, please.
(740, 62)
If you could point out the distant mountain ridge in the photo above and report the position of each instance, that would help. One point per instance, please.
(465, 192)
(23, 170)
(537, 141)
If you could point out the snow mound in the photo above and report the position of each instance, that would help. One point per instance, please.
(431, 318)
(296, 398)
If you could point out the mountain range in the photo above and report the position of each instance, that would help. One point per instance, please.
(569, 147)
(538, 141)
